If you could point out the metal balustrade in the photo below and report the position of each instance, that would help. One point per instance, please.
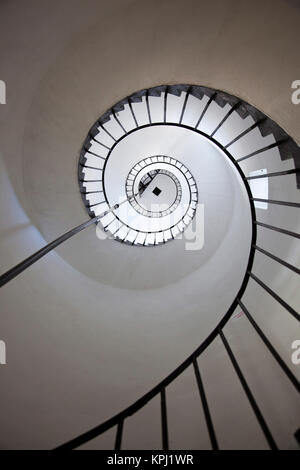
(261, 121)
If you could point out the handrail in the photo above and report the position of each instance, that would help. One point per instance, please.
(19, 268)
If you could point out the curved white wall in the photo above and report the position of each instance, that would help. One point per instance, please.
(70, 365)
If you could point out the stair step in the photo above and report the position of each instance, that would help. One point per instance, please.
(156, 105)
(193, 110)
(141, 112)
(252, 142)
(174, 107)
(92, 160)
(126, 118)
(212, 117)
(114, 128)
(233, 127)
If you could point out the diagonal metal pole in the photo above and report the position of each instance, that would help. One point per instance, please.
(19, 268)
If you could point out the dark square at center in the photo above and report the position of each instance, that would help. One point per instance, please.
(156, 191)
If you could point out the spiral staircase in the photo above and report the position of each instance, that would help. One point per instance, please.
(220, 318)
(241, 132)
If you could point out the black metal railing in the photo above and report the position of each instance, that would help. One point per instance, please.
(243, 108)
